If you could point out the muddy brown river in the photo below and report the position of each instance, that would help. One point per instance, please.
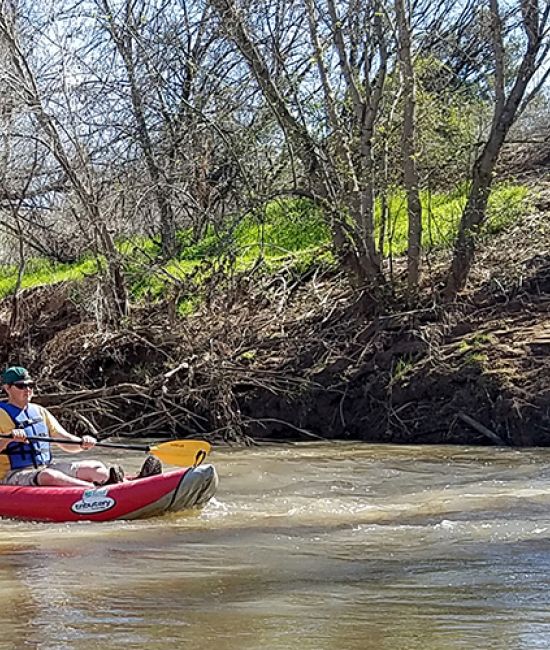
(308, 547)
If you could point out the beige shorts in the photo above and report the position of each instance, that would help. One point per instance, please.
(27, 476)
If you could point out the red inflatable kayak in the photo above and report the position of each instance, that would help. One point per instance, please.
(168, 492)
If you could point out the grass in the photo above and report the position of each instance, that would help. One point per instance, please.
(442, 212)
(479, 341)
(289, 234)
(474, 349)
(39, 271)
(402, 367)
(287, 226)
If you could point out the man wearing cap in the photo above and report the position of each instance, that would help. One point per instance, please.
(26, 462)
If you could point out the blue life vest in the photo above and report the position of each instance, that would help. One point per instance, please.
(28, 454)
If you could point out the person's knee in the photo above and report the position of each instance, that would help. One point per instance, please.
(93, 464)
(49, 477)
(93, 470)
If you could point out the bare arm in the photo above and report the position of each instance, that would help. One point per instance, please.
(57, 431)
(86, 442)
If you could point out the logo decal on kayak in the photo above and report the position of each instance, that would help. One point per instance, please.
(93, 501)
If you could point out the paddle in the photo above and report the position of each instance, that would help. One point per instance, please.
(186, 453)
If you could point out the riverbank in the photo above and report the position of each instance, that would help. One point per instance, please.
(475, 372)
(292, 356)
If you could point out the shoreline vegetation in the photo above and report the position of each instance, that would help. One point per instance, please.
(274, 345)
(253, 221)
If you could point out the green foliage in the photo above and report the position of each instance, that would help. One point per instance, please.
(449, 119)
(476, 359)
(188, 305)
(477, 342)
(448, 123)
(150, 282)
(287, 225)
(474, 349)
(289, 235)
(442, 212)
(40, 271)
(212, 244)
(401, 368)
(248, 355)
(506, 205)
(144, 246)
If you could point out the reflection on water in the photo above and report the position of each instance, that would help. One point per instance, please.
(311, 547)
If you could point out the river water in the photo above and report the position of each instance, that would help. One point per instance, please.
(309, 547)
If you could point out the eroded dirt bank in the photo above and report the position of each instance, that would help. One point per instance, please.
(291, 357)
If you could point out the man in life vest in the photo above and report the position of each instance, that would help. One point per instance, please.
(26, 462)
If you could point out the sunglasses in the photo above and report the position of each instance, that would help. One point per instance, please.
(23, 386)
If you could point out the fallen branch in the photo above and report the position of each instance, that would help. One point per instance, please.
(481, 428)
(63, 399)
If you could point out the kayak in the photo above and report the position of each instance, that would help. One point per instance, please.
(171, 491)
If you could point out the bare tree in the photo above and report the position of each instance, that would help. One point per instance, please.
(338, 168)
(146, 117)
(125, 35)
(511, 97)
(410, 173)
(23, 84)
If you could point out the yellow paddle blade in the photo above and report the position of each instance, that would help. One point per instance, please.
(187, 453)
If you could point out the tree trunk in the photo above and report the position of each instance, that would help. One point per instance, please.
(408, 148)
(472, 218)
(505, 112)
(115, 292)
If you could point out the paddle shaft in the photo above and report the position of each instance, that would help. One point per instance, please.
(61, 441)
